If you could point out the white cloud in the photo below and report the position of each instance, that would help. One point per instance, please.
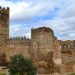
(16, 9)
(23, 10)
(69, 10)
(64, 28)
(19, 30)
(63, 24)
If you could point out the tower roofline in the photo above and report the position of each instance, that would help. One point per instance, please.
(4, 10)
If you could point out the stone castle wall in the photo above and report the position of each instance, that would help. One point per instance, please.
(47, 52)
(41, 46)
(42, 42)
(18, 45)
(68, 54)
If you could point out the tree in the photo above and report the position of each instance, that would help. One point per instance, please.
(19, 64)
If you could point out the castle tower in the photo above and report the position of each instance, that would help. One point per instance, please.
(4, 27)
(42, 49)
(45, 50)
(42, 42)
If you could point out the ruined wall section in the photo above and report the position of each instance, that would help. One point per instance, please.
(42, 42)
(57, 56)
(42, 47)
(18, 45)
(68, 54)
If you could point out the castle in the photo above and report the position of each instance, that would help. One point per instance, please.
(47, 52)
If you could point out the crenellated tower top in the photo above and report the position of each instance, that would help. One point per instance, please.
(4, 10)
(4, 22)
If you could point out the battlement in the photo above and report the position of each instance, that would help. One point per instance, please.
(4, 10)
(19, 39)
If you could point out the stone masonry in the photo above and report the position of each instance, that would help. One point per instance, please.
(49, 54)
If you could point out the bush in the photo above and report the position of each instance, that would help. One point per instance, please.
(19, 65)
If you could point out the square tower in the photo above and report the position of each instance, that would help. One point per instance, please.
(4, 27)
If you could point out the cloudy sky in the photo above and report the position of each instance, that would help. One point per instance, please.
(56, 14)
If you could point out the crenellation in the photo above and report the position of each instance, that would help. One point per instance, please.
(4, 10)
(16, 39)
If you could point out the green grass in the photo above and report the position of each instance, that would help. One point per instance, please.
(2, 74)
(72, 74)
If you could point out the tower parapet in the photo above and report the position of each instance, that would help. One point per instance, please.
(4, 10)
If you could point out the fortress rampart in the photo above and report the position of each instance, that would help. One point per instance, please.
(18, 40)
(18, 45)
(47, 52)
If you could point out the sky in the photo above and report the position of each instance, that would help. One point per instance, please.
(59, 15)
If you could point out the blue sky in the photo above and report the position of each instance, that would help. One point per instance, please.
(56, 14)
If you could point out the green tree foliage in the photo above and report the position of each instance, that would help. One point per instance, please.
(21, 66)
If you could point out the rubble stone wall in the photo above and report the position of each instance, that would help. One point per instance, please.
(68, 54)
